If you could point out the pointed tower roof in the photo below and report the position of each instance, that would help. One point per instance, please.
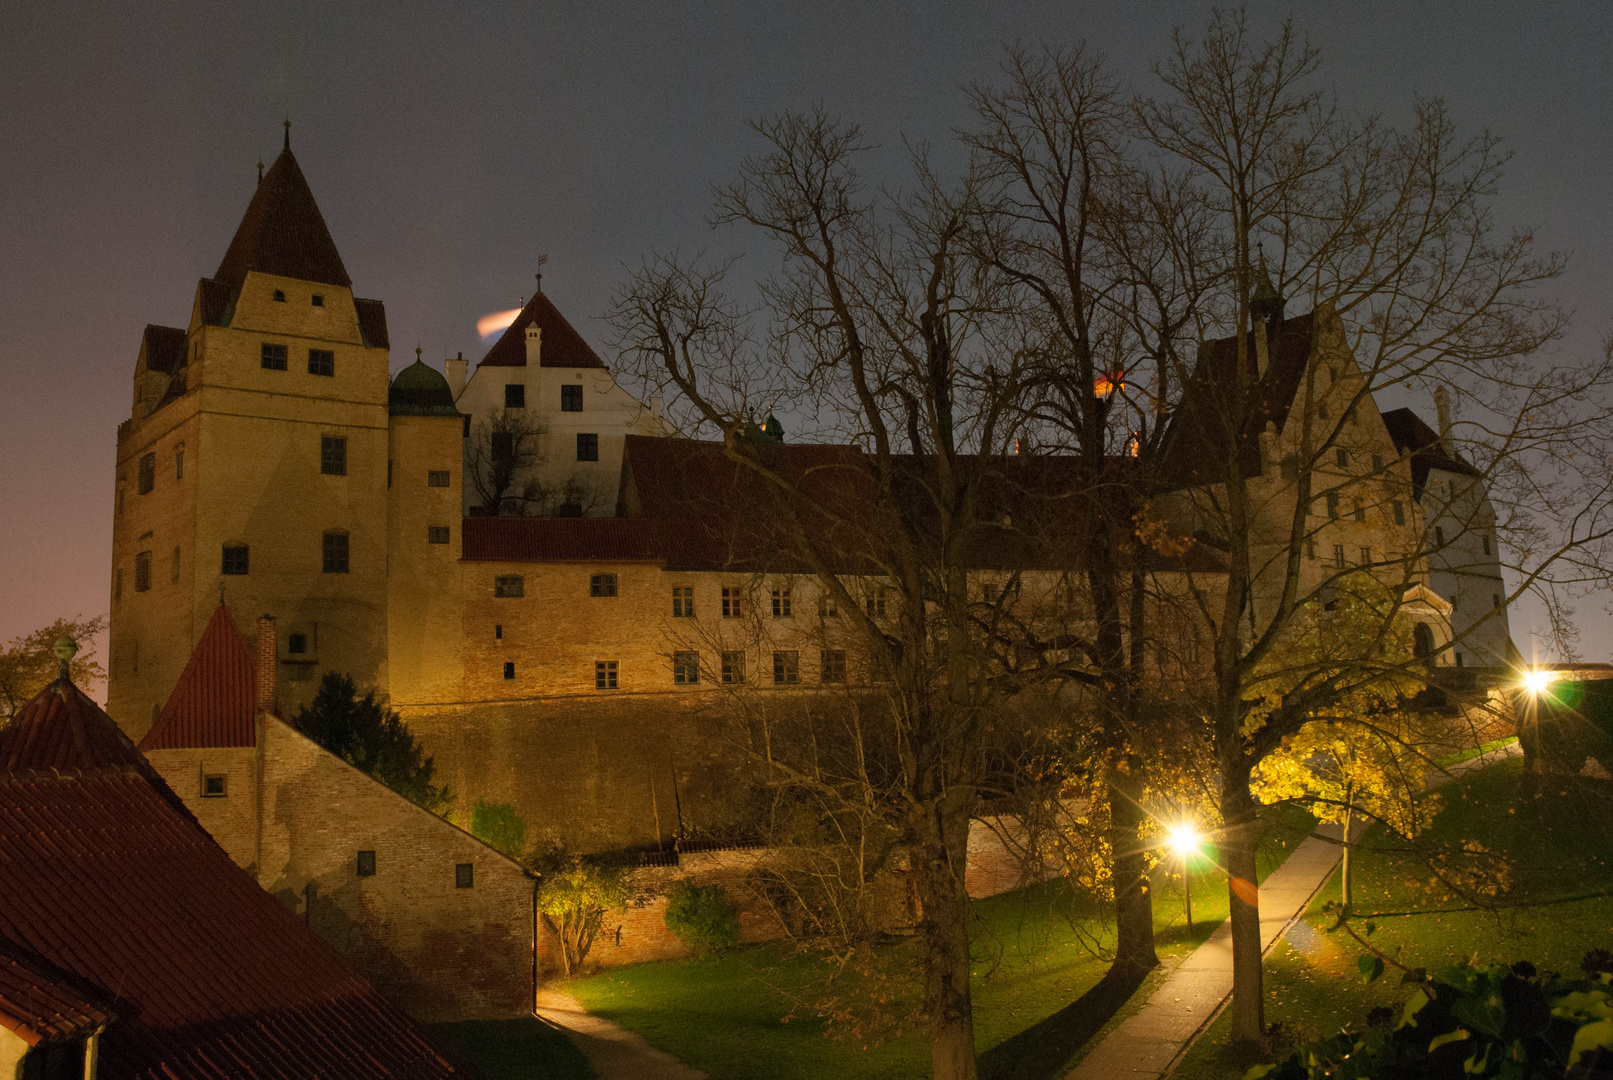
(215, 701)
(562, 346)
(283, 233)
(61, 730)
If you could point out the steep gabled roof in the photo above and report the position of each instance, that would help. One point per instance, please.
(216, 300)
(561, 345)
(163, 348)
(215, 701)
(372, 323)
(104, 876)
(283, 233)
(1410, 433)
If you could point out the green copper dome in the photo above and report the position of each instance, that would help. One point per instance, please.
(420, 390)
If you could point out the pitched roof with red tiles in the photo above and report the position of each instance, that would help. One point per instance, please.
(215, 701)
(163, 348)
(283, 233)
(559, 347)
(106, 877)
(40, 1002)
(495, 539)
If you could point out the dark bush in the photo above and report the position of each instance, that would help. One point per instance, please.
(702, 918)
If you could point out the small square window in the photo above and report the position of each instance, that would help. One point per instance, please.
(587, 447)
(279, 296)
(142, 572)
(733, 667)
(509, 586)
(605, 675)
(1400, 512)
(333, 455)
(297, 644)
(732, 602)
(1338, 556)
(685, 668)
(464, 875)
(213, 786)
(148, 473)
(366, 864)
(236, 558)
(436, 534)
(509, 669)
(828, 606)
(437, 478)
(876, 602)
(335, 553)
(682, 602)
(786, 667)
(274, 357)
(781, 604)
(571, 398)
(514, 396)
(318, 301)
(602, 585)
(321, 362)
(832, 666)
(498, 631)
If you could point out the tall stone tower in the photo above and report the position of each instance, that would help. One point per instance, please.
(254, 461)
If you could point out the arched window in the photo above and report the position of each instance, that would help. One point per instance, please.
(1422, 641)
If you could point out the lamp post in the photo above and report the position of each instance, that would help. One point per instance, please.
(1185, 839)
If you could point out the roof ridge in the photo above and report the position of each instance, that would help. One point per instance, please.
(283, 233)
(562, 346)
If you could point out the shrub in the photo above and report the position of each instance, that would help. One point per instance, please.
(702, 918)
(498, 825)
(573, 901)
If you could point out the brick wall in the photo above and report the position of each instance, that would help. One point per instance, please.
(231, 819)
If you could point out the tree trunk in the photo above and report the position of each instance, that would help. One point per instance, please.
(1134, 907)
(1243, 888)
(1345, 893)
(938, 868)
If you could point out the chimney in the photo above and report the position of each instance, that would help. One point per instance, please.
(1442, 405)
(534, 344)
(268, 666)
(456, 375)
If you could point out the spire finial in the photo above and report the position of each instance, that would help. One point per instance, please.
(221, 594)
(65, 649)
(541, 260)
(288, 133)
(417, 352)
(540, 281)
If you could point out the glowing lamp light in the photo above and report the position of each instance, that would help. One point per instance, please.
(496, 321)
(1535, 681)
(1185, 839)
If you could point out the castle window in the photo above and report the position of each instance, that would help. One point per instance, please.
(366, 864)
(437, 478)
(781, 604)
(464, 875)
(334, 550)
(1310, 547)
(786, 667)
(213, 786)
(509, 670)
(732, 604)
(1360, 511)
(274, 356)
(173, 573)
(685, 668)
(1495, 600)
(148, 473)
(498, 631)
(1338, 556)
(602, 585)
(509, 586)
(828, 606)
(587, 447)
(605, 675)
(332, 455)
(514, 396)
(236, 558)
(117, 585)
(1439, 536)
(179, 462)
(503, 447)
(1377, 463)
(1366, 556)
(1342, 456)
(436, 534)
(142, 572)
(733, 667)
(571, 399)
(1485, 540)
(279, 296)
(319, 301)
(569, 509)
(682, 602)
(1332, 504)
(1400, 512)
(297, 644)
(832, 666)
(876, 601)
(321, 362)
(1458, 659)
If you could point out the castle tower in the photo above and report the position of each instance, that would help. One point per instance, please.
(254, 461)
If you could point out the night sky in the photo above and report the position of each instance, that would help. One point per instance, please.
(450, 145)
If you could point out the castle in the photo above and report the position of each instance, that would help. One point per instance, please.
(573, 662)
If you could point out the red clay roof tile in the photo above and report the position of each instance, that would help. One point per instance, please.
(42, 1003)
(493, 539)
(561, 345)
(215, 701)
(283, 233)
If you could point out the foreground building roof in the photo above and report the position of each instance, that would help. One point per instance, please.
(108, 879)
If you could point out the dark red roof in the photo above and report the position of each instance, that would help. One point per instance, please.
(215, 701)
(504, 539)
(283, 233)
(1409, 432)
(372, 323)
(103, 875)
(42, 1003)
(164, 348)
(217, 300)
(561, 345)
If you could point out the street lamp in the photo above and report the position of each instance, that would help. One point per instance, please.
(1535, 680)
(1185, 839)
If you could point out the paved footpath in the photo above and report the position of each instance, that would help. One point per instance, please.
(1148, 1043)
(615, 1053)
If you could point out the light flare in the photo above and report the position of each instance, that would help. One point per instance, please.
(496, 322)
(1185, 839)
(1536, 680)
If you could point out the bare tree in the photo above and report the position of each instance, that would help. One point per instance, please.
(503, 459)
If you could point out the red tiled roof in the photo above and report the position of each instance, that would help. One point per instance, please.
(496, 539)
(215, 701)
(164, 348)
(41, 1003)
(103, 875)
(58, 732)
(372, 323)
(283, 233)
(561, 345)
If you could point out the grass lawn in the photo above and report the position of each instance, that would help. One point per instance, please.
(1556, 836)
(525, 1049)
(731, 1015)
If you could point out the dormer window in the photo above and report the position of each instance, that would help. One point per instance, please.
(319, 301)
(279, 297)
